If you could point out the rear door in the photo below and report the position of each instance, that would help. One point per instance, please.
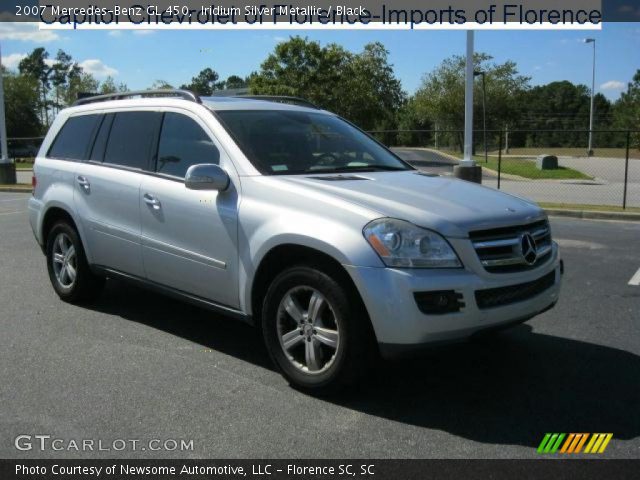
(108, 188)
(189, 237)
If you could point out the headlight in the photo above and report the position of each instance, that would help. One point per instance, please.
(402, 244)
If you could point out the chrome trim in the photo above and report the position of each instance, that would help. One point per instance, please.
(496, 243)
(501, 262)
(181, 252)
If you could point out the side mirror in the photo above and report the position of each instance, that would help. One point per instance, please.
(206, 176)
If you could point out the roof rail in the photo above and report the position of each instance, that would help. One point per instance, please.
(185, 94)
(282, 99)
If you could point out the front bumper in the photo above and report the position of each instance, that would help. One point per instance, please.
(400, 326)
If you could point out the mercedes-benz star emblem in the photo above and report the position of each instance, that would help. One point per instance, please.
(528, 248)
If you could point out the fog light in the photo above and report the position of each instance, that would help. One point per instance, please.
(439, 302)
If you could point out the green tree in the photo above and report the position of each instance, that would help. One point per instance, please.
(22, 104)
(303, 68)
(35, 66)
(361, 87)
(161, 85)
(441, 96)
(626, 110)
(371, 95)
(410, 121)
(205, 83)
(82, 83)
(235, 81)
(556, 110)
(62, 70)
(109, 86)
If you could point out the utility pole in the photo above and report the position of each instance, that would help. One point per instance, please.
(484, 114)
(506, 139)
(7, 168)
(593, 92)
(467, 168)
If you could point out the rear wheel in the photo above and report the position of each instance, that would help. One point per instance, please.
(319, 339)
(69, 271)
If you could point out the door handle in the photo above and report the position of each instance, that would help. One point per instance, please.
(83, 182)
(151, 200)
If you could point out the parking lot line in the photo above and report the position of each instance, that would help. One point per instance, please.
(12, 213)
(635, 280)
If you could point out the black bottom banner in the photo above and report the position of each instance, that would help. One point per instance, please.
(318, 469)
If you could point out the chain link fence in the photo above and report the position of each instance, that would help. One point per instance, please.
(23, 150)
(553, 167)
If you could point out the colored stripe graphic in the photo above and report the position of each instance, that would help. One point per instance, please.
(581, 442)
(551, 442)
(598, 443)
(606, 442)
(567, 443)
(543, 443)
(574, 442)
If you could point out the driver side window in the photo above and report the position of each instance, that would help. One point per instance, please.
(183, 143)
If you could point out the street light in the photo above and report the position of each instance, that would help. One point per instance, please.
(7, 169)
(484, 113)
(593, 92)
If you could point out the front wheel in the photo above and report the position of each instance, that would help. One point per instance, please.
(319, 339)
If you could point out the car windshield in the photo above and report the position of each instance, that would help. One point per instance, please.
(281, 142)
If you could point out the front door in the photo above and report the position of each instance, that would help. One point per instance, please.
(189, 237)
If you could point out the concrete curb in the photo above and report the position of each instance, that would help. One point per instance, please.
(594, 215)
(15, 188)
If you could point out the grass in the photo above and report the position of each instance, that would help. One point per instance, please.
(527, 169)
(23, 163)
(573, 152)
(581, 206)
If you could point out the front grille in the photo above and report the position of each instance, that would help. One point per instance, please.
(497, 297)
(501, 250)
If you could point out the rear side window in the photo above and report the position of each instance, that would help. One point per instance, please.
(131, 138)
(183, 143)
(100, 143)
(74, 138)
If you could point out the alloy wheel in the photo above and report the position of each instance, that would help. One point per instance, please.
(64, 260)
(308, 330)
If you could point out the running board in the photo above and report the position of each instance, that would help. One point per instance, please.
(174, 293)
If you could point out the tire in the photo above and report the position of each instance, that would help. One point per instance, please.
(320, 340)
(69, 272)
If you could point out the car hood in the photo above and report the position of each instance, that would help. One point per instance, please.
(450, 206)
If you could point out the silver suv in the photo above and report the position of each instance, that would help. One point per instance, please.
(274, 212)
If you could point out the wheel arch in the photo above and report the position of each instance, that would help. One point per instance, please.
(283, 256)
(54, 214)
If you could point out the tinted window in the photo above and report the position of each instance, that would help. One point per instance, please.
(97, 152)
(73, 140)
(183, 143)
(281, 142)
(132, 135)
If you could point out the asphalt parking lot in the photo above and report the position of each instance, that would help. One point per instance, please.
(139, 366)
